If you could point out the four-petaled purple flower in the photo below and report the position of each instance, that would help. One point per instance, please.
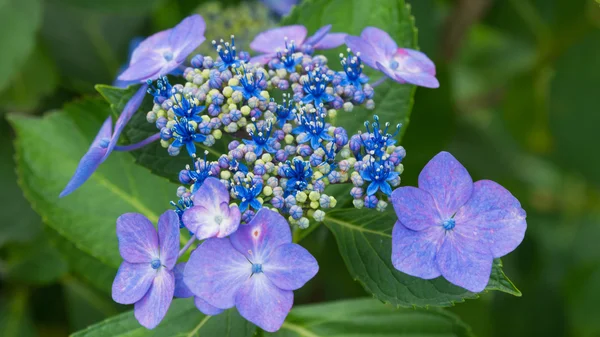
(256, 270)
(379, 51)
(212, 216)
(146, 277)
(165, 51)
(273, 40)
(182, 291)
(452, 227)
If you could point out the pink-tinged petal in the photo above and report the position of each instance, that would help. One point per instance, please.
(264, 304)
(331, 41)
(132, 282)
(262, 59)
(130, 108)
(417, 57)
(389, 72)
(412, 66)
(464, 262)
(271, 40)
(152, 43)
(181, 289)
(148, 67)
(211, 194)
(153, 307)
(420, 79)
(448, 182)
(368, 54)
(186, 37)
(138, 242)
(493, 217)
(168, 238)
(206, 308)
(216, 271)
(414, 253)
(318, 35)
(380, 40)
(201, 222)
(265, 232)
(290, 266)
(415, 208)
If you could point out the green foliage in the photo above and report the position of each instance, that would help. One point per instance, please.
(393, 101)
(48, 151)
(14, 318)
(183, 319)
(368, 317)
(365, 242)
(20, 21)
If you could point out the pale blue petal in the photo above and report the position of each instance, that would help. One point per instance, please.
(138, 242)
(132, 282)
(153, 307)
(413, 253)
(168, 238)
(415, 208)
(290, 266)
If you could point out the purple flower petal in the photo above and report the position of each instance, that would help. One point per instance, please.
(132, 282)
(271, 40)
(318, 35)
(262, 59)
(138, 242)
(368, 54)
(281, 7)
(290, 266)
(148, 46)
(464, 262)
(168, 238)
(420, 79)
(414, 253)
(130, 108)
(216, 271)
(212, 216)
(263, 304)
(152, 308)
(493, 217)
(206, 308)
(331, 41)
(91, 160)
(148, 67)
(389, 72)
(414, 67)
(186, 37)
(265, 232)
(380, 40)
(415, 208)
(181, 289)
(448, 182)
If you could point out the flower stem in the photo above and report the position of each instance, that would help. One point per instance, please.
(379, 81)
(136, 146)
(187, 246)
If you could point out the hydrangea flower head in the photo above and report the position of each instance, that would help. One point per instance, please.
(256, 270)
(146, 276)
(212, 216)
(274, 40)
(403, 65)
(165, 51)
(452, 227)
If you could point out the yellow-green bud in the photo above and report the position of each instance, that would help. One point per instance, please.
(314, 195)
(234, 81)
(227, 91)
(217, 134)
(267, 190)
(225, 175)
(332, 202)
(265, 94)
(289, 139)
(301, 197)
(164, 143)
(314, 204)
(266, 157)
(245, 110)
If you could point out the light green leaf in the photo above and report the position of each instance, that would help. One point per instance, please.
(20, 22)
(365, 242)
(48, 151)
(368, 317)
(393, 101)
(182, 320)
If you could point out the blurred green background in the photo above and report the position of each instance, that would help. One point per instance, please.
(517, 104)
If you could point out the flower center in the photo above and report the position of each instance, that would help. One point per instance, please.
(394, 65)
(218, 219)
(256, 268)
(168, 55)
(449, 224)
(155, 263)
(104, 143)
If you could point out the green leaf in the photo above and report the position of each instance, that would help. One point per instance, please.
(368, 317)
(48, 151)
(153, 156)
(20, 22)
(117, 6)
(37, 262)
(183, 320)
(393, 101)
(364, 239)
(14, 316)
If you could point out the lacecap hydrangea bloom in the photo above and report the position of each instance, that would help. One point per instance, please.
(237, 209)
(452, 227)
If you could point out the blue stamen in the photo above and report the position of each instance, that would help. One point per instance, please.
(299, 175)
(256, 268)
(161, 91)
(250, 84)
(449, 224)
(188, 109)
(104, 143)
(261, 138)
(315, 88)
(394, 65)
(155, 264)
(180, 207)
(286, 111)
(378, 139)
(227, 54)
(185, 133)
(353, 67)
(288, 61)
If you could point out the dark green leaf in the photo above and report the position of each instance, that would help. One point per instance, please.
(37, 262)
(117, 6)
(364, 239)
(368, 317)
(48, 151)
(20, 21)
(14, 316)
(182, 320)
(393, 101)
